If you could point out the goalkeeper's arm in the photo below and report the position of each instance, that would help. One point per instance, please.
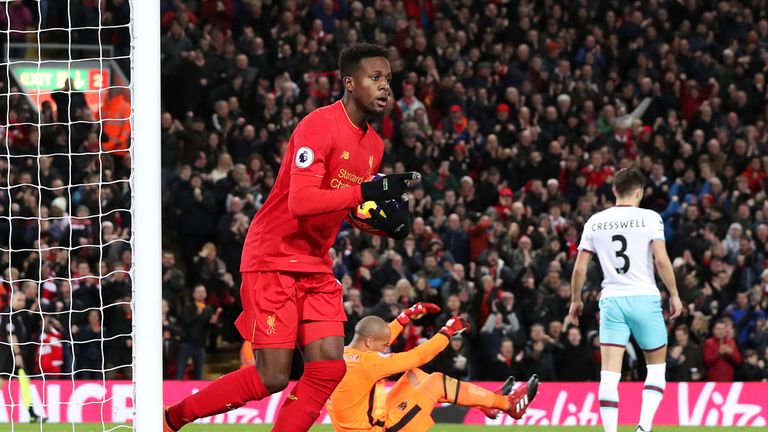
(390, 364)
(395, 328)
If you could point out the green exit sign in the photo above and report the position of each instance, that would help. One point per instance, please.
(47, 79)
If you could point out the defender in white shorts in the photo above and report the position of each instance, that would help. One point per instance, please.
(628, 241)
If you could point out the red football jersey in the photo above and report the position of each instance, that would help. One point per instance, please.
(327, 159)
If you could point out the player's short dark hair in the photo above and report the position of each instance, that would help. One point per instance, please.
(627, 180)
(350, 57)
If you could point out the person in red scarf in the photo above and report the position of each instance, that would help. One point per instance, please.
(597, 172)
(456, 121)
(755, 175)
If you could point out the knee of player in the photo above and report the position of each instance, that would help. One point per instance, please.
(276, 382)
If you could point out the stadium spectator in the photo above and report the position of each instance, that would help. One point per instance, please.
(507, 363)
(171, 331)
(196, 319)
(573, 358)
(684, 359)
(173, 281)
(539, 353)
(721, 355)
(453, 361)
(88, 353)
(752, 369)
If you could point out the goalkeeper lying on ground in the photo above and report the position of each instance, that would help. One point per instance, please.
(361, 403)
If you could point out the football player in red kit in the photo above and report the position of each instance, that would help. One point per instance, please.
(290, 296)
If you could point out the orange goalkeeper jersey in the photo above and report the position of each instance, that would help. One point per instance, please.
(359, 401)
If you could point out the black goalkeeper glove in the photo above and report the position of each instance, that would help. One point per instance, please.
(392, 186)
(396, 224)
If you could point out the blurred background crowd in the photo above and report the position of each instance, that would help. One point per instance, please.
(517, 113)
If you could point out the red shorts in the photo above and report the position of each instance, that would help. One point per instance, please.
(284, 309)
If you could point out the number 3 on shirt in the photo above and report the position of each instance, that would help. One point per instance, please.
(620, 253)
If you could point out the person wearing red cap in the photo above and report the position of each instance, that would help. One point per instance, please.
(504, 207)
(504, 129)
(456, 121)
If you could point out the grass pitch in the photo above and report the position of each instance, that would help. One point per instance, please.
(96, 427)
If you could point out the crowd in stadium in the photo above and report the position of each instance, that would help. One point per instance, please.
(517, 113)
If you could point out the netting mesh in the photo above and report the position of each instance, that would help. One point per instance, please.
(65, 213)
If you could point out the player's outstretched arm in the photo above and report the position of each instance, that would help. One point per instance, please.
(390, 364)
(413, 313)
(578, 277)
(667, 273)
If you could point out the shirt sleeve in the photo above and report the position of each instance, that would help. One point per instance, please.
(381, 365)
(395, 328)
(311, 144)
(657, 227)
(306, 196)
(587, 243)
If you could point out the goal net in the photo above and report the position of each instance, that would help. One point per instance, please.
(69, 240)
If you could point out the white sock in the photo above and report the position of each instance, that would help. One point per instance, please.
(609, 399)
(653, 392)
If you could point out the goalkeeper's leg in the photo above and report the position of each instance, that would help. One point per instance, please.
(411, 400)
(461, 393)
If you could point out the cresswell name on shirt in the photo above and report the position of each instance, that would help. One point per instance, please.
(613, 225)
(345, 179)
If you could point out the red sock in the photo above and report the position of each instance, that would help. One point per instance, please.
(308, 396)
(228, 392)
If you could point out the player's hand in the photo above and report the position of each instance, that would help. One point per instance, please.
(575, 310)
(389, 187)
(675, 307)
(454, 326)
(417, 311)
(396, 222)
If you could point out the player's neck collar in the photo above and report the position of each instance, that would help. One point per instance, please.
(361, 129)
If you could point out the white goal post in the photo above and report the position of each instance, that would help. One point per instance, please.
(147, 298)
(32, 78)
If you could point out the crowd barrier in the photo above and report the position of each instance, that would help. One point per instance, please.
(686, 404)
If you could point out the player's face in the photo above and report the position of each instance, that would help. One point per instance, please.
(379, 344)
(371, 85)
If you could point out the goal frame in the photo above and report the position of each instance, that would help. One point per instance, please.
(146, 226)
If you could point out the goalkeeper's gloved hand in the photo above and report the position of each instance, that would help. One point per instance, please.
(391, 186)
(417, 311)
(397, 221)
(454, 326)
